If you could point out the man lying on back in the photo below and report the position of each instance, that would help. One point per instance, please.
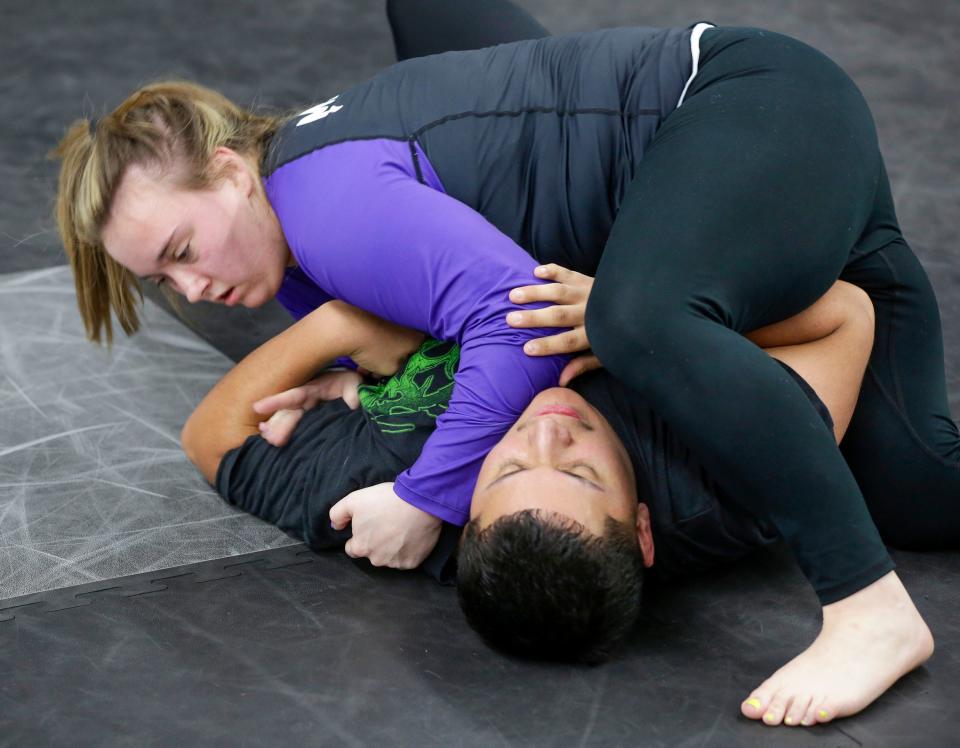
(638, 498)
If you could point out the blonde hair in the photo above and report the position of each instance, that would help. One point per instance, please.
(159, 124)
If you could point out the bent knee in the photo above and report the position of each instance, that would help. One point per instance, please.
(623, 333)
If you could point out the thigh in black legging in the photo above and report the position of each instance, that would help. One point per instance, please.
(902, 444)
(743, 212)
(426, 27)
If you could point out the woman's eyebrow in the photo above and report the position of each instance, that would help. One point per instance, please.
(166, 247)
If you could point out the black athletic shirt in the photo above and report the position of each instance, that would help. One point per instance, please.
(336, 450)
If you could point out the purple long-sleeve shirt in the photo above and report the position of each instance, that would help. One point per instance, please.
(366, 231)
(424, 194)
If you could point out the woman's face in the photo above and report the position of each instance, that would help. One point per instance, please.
(222, 244)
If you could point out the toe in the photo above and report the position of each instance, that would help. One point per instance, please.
(773, 714)
(754, 706)
(821, 711)
(810, 715)
(797, 711)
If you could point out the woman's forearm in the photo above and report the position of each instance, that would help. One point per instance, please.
(225, 417)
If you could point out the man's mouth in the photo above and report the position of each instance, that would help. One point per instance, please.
(559, 410)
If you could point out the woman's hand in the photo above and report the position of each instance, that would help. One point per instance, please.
(569, 293)
(386, 529)
(286, 408)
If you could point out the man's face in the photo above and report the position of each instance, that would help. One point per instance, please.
(222, 244)
(561, 456)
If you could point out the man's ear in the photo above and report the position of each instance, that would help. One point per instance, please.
(645, 534)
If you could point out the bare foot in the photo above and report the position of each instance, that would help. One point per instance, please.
(868, 641)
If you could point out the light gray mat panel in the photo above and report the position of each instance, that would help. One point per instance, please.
(93, 483)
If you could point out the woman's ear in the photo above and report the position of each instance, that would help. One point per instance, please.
(645, 534)
(228, 165)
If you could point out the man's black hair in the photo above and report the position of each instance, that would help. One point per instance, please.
(539, 585)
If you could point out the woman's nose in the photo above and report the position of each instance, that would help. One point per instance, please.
(194, 286)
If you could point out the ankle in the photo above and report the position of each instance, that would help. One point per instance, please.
(887, 596)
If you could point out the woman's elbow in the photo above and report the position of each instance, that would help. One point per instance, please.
(198, 447)
(189, 439)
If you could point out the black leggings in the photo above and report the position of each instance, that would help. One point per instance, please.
(426, 27)
(759, 192)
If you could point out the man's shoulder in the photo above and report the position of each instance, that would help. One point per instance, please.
(695, 525)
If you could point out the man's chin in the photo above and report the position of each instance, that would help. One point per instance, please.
(556, 396)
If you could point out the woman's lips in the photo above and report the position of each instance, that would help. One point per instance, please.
(231, 297)
(559, 410)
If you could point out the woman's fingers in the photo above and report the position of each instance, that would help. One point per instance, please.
(568, 295)
(560, 274)
(321, 389)
(558, 293)
(280, 426)
(351, 397)
(549, 316)
(289, 399)
(327, 386)
(579, 365)
(566, 342)
(568, 286)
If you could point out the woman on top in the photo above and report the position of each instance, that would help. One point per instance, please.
(716, 179)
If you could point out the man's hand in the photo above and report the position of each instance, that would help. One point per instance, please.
(569, 293)
(386, 529)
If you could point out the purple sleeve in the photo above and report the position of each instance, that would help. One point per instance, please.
(299, 295)
(366, 231)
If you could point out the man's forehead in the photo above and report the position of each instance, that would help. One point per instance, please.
(532, 491)
(573, 505)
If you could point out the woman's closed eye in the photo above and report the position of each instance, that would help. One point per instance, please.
(184, 255)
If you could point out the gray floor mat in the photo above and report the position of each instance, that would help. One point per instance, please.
(323, 653)
(93, 483)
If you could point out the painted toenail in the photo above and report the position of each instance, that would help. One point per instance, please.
(823, 714)
(755, 703)
(768, 717)
(789, 720)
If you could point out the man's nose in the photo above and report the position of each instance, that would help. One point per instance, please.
(549, 435)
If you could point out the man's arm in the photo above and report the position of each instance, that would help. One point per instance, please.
(817, 321)
(829, 345)
(225, 417)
